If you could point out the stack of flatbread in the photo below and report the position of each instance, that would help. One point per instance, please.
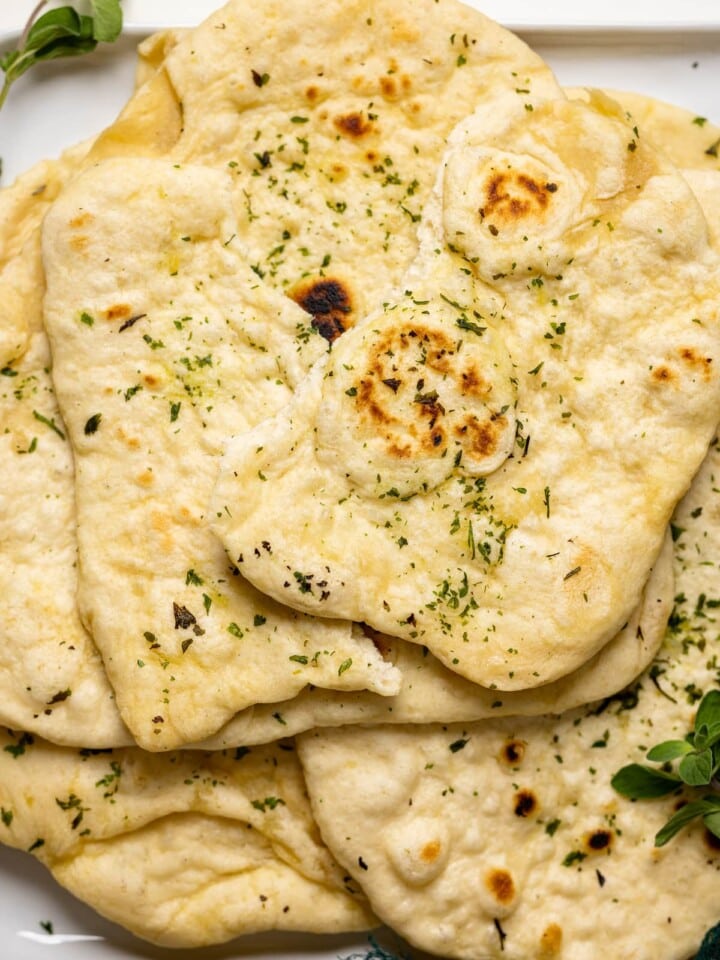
(359, 402)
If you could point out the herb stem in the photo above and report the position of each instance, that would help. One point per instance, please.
(28, 26)
(5, 90)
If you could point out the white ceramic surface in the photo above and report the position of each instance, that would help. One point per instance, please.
(620, 13)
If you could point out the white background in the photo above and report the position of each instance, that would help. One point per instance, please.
(509, 12)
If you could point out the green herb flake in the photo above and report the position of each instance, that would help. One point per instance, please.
(131, 391)
(92, 424)
(111, 781)
(466, 324)
(575, 856)
(60, 696)
(49, 422)
(344, 666)
(269, 803)
(18, 749)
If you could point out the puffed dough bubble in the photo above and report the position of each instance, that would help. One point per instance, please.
(495, 202)
(418, 848)
(409, 398)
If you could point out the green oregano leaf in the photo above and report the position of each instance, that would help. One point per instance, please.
(60, 32)
(108, 20)
(708, 713)
(710, 947)
(696, 769)
(699, 755)
(696, 808)
(643, 783)
(712, 822)
(55, 25)
(669, 750)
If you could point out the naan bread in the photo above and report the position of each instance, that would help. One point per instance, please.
(164, 341)
(332, 127)
(690, 141)
(24, 203)
(439, 77)
(505, 839)
(68, 670)
(432, 693)
(58, 688)
(565, 294)
(183, 849)
(51, 676)
(22, 207)
(52, 680)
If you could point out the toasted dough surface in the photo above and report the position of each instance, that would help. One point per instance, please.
(164, 341)
(432, 693)
(184, 849)
(552, 362)
(504, 839)
(331, 124)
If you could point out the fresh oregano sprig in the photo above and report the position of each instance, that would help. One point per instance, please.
(61, 32)
(376, 952)
(699, 766)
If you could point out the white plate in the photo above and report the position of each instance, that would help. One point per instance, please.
(669, 55)
(664, 49)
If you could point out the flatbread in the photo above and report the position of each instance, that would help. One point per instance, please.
(505, 839)
(52, 680)
(426, 98)
(57, 687)
(183, 849)
(432, 693)
(513, 562)
(51, 675)
(22, 207)
(332, 127)
(689, 140)
(163, 342)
